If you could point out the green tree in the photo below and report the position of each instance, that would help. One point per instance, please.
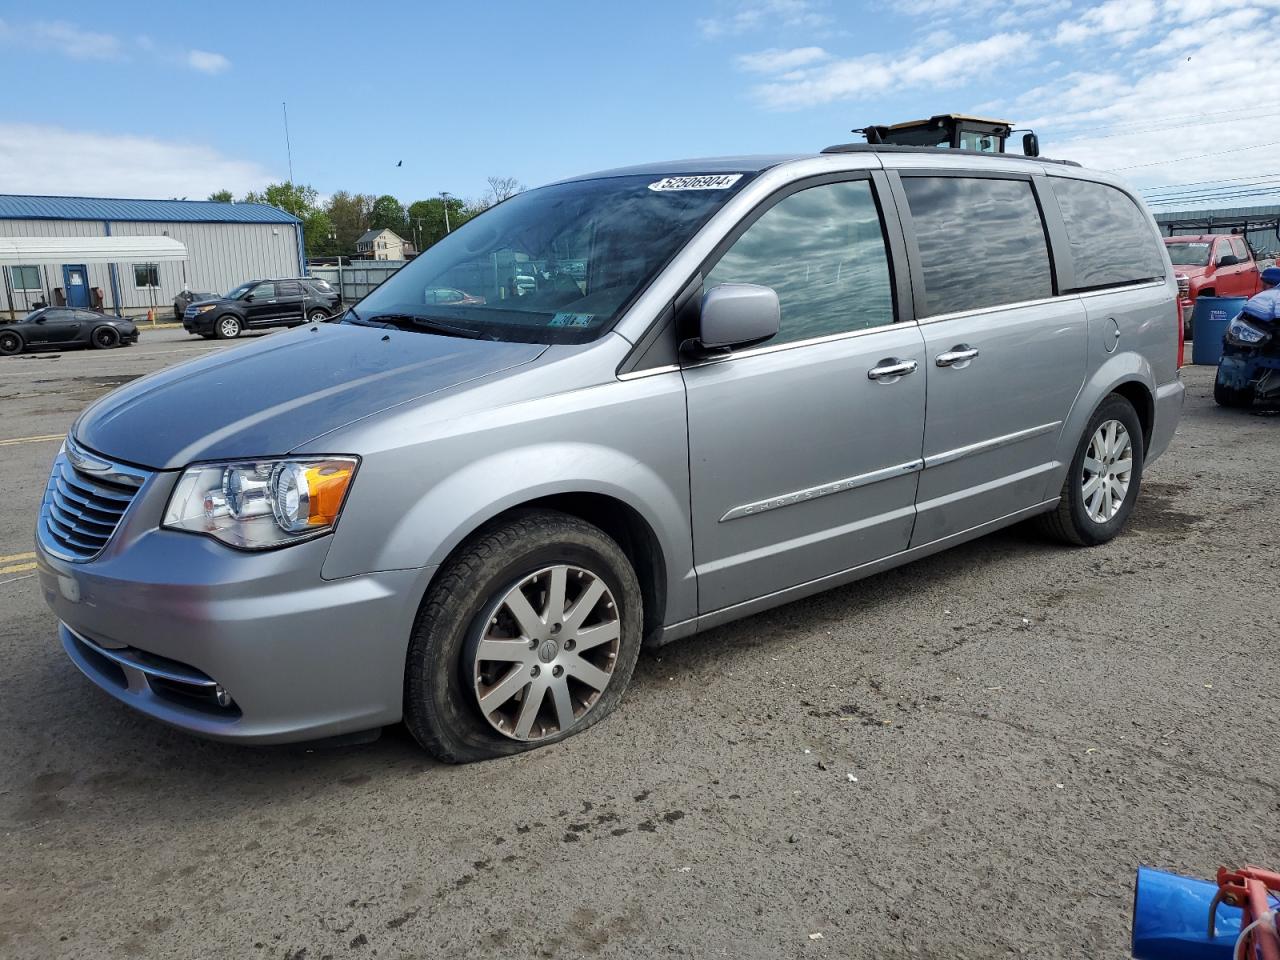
(221, 196)
(427, 218)
(319, 234)
(298, 199)
(388, 214)
(349, 217)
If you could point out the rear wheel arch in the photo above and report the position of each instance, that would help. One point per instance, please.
(1143, 403)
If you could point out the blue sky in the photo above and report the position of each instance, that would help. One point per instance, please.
(150, 99)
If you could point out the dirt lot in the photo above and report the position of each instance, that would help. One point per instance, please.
(1026, 724)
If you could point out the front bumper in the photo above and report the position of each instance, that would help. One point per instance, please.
(160, 617)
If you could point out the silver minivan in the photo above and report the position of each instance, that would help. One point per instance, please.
(668, 397)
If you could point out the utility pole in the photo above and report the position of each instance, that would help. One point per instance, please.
(288, 149)
(446, 197)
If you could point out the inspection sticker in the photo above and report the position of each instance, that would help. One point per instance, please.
(706, 182)
(572, 320)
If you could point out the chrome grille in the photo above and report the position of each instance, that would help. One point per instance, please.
(83, 504)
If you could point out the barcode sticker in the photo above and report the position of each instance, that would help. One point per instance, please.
(705, 182)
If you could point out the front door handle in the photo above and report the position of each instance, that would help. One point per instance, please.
(891, 369)
(958, 355)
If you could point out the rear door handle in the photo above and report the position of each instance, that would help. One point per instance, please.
(958, 354)
(891, 369)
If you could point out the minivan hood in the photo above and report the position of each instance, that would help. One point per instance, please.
(272, 395)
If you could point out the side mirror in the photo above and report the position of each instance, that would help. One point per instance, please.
(1230, 260)
(1031, 145)
(737, 315)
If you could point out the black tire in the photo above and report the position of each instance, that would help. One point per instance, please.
(10, 344)
(104, 338)
(440, 709)
(207, 336)
(177, 313)
(227, 327)
(317, 316)
(1069, 522)
(1232, 397)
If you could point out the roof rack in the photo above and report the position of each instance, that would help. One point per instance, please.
(901, 148)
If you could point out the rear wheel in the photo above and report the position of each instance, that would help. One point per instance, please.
(10, 343)
(227, 328)
(317, 316)
(104, 338)
(1234, 397)
(1103, 480)
(529, 635)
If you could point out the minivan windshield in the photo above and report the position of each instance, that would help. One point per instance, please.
(1189, 254)
(553, 265)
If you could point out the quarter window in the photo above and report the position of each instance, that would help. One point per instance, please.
(25, 279)
(146, 275)
(823, 251)
(1111, 240)
(981, 241)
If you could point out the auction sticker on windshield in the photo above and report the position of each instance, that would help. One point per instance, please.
(709, 182)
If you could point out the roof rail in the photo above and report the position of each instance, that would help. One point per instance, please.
(905, 148)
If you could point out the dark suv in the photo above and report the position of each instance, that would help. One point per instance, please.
(262, 303)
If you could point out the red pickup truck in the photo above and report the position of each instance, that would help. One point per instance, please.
(1215, 265)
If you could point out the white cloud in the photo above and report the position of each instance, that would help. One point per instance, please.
(76, 43)
(1121, 21)
(64, 38)
(874, 73)
(53, 160)
(785, 13)
(207, 62)
(777, 61)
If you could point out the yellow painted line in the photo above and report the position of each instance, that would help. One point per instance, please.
(17, 556)
(44, 439)
(18, 568)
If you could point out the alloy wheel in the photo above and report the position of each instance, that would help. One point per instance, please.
(546, 652)
(1108, 469)
(230, 327)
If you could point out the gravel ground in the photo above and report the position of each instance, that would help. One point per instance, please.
(966, 757)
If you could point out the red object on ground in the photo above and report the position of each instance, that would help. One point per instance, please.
(1249, 888)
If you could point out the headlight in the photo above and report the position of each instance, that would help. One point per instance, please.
(206, 308)
(258, 504)
(1241, 330)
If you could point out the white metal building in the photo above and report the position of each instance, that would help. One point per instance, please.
(226, 243)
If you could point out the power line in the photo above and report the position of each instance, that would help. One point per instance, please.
(1201, 183)
(1198, 156)
(1172, 122)
(1269, 184)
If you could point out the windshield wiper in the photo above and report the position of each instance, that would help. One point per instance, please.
(427, 323)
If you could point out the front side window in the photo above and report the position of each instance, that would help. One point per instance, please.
(982, 242)
(264, 291)
(557, 264)
(1186, 254)
(823, 251)
(1112, 243)
(25, 279)
(146, 275)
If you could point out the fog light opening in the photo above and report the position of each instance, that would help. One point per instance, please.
(220, 694)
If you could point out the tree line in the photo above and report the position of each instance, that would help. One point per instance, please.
(331, 229)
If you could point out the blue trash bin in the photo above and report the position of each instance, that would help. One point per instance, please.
(1209, 324)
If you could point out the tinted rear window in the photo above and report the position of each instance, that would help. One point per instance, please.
(982, 242)
(1111, 241)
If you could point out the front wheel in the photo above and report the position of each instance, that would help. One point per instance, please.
(10, 344)
(227, 328)
(529, 635)
(104, 338)
(1103, 480)
(1233, 397)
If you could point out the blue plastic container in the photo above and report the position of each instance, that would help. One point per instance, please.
(1171, 918)
(1209, 323)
